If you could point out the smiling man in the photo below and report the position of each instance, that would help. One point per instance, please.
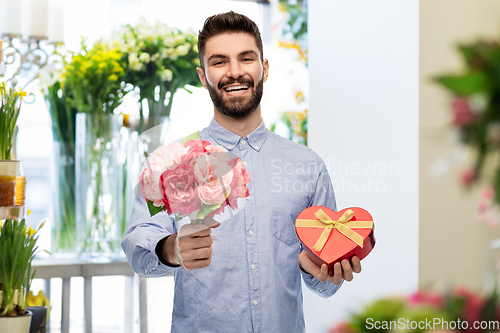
(245, 274)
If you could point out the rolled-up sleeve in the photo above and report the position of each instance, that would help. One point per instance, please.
(141, 237)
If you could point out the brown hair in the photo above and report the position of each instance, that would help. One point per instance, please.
(224, 23)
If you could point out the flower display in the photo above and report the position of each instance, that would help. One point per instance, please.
(95, 78)
(458, 310)
(195, 179)
(18, 247)
(475, 107)
(158, 60)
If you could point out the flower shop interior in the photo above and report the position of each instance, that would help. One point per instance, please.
(390, 94)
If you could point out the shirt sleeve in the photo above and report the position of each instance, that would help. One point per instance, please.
(141, 237)
(322, 196)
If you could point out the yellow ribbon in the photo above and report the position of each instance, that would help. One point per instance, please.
(343, 225)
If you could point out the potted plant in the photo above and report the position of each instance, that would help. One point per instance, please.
(18, 247)
(10, 105)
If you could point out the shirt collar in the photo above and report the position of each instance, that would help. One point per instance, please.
(229, 140)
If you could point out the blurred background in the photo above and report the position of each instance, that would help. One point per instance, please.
(400, 99)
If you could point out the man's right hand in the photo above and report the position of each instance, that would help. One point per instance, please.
(191, 247)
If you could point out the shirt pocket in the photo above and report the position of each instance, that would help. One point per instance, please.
(285, 212)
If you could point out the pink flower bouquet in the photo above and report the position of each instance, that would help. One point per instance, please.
(195, 179)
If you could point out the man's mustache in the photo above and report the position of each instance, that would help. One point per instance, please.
(248, 81)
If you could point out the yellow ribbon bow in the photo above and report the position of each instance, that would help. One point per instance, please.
(343, 225)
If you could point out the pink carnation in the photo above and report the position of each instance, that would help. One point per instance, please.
(239, 188)
(194, 149)
(462, 113)
(179, 190)
(171, 153)
(150, 178)
(209, 171)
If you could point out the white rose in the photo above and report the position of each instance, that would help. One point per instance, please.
(169, 42)
(155, 57)
(132, 57)
(136, 65)
(172, 54)
(182, 50)
(166, 75)
(179, 39)
(145, 57)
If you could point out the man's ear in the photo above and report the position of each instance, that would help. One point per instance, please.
(201, 75)
(265, 68)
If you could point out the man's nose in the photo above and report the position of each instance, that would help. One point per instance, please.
(235, 69)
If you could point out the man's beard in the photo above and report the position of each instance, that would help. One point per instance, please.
(238, 106)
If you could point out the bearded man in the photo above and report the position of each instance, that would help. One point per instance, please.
(243, 275)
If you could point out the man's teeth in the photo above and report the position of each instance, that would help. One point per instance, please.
(236, 88)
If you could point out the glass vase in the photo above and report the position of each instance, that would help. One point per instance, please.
(63, 226)
(100, 160)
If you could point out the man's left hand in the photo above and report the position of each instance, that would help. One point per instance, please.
(341, 270)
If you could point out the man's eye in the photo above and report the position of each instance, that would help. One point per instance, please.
(248, 59)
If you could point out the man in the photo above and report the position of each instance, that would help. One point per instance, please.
(243, 275)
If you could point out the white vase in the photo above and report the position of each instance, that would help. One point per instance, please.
(10, 167)
(18, 324)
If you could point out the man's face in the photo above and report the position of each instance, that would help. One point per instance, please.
(234, 73)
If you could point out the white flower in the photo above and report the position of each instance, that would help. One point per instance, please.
(150, 39)
(172, 54)
(182, 50)
(131, 42)
(134, 62)
(155, 57)
(164, 54)
(145, 57)
(179, 39)
(169, 42)
(132, 57)
(166, 75)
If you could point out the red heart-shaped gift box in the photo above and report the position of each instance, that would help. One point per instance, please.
(330, 237)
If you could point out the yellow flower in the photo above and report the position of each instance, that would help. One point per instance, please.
(113, 77)
(39, 300)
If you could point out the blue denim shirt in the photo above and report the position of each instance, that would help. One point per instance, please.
(253, 283)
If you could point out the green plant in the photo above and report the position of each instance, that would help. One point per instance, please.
(10, 106)
(63, 118)
(18, 247)
(475, 106)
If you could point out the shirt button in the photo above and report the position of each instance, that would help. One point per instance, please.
(245, 163)
(253, 266)
(256, 147)
(254, 302)
(248, 198)
(243, 142)
(230, 147)
(320, 290)
(251, 233)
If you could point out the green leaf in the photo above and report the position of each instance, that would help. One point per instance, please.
(205, 210)
(153, 210)
(465, 85)
(182, 63)
(194, 136)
